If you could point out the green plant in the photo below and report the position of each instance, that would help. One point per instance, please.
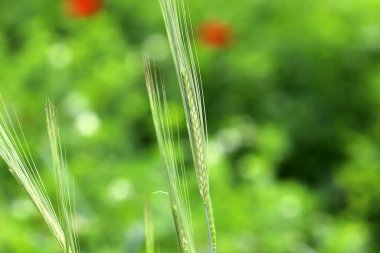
(20, 162)
(149, 228)
(174, 169)
(15, 152)
(176, 17)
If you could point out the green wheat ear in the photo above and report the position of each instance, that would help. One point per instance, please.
(174, 168)
(16, 154)
(179, 31)
(64, 189)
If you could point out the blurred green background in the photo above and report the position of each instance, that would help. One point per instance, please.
(293, 110)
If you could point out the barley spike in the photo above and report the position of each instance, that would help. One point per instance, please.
(174, 167)
(179, 31)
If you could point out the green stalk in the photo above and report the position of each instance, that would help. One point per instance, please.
(174, 168)
(179, 32)
(149, 229)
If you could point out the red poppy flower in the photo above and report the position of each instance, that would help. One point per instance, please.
(215, 34)
(84, 8)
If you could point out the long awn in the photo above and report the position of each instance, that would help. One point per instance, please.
(16, 154)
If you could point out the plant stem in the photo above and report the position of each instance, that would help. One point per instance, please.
(210, 224)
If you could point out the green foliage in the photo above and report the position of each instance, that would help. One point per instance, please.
(292, 111)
